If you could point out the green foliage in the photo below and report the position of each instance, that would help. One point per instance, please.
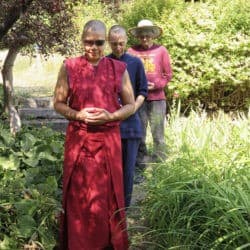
(233, 16)
(30, 194)
(209, 46)
(53, 20)
(199, 198)
(133, 11)
(210, 64)
(97, 10)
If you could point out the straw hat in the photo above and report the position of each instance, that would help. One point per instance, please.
(145, 25)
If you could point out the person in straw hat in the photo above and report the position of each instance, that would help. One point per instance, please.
(156, 60)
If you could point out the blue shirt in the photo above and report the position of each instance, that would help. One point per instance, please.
(131, 127)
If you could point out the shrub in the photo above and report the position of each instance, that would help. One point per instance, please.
(209, 47)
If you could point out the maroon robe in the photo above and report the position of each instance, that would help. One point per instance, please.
(93, 201)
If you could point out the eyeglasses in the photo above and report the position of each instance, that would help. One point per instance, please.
(115, 44)
(92, 42)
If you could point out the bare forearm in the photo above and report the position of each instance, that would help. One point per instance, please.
(65, 111)
(139, 101)
(123, 113)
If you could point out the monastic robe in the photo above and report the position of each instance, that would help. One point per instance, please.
(93, 201)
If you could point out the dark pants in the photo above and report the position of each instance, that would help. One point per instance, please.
(153, 113)
(129, 152)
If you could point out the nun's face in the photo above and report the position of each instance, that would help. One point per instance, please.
(118, 44)
(146, 39)
(94, 45)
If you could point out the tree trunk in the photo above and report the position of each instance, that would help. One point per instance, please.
(7, 73)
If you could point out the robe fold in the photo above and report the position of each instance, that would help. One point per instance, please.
(93, 215)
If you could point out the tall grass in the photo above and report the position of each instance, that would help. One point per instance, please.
(200, 197)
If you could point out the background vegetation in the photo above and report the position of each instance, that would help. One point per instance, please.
(199, 198)
(30, 193)
(209, 45)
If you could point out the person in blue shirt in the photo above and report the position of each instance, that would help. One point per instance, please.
(131, 129)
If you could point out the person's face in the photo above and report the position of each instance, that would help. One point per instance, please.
(118, 44)
(94, 45)
(146, 39)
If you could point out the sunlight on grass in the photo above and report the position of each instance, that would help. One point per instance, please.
(199, 197)
(35, 76)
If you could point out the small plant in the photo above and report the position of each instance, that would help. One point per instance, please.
(199, 197)
(30, 194)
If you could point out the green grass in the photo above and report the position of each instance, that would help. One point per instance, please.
(200, 197)
(35, 76)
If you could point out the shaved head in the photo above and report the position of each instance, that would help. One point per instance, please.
(94, 26)
(117, 30)
(117, 38)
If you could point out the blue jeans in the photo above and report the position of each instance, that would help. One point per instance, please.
(153, 113)
(129, 153)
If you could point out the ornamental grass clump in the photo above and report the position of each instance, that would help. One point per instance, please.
(200, 197)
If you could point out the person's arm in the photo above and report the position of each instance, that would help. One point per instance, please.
(139, 101)
(101, 116)
(127, 99)
(61, 97)
(166, 64)
(141, 85)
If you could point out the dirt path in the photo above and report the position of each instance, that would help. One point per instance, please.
(136, 225)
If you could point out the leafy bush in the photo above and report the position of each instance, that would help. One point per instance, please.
(199, 198)
(30, 194)
(209, 47)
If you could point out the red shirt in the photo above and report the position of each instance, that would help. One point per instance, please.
(156, 61)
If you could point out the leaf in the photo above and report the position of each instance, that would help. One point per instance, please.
(26, 225)
(47, 238)
(26, 207)
(52, 183)
(32, 162)
(57, 147)
(7, 243)
(47, 156)
(6, 137)
(50, 186)
(9, 163)
(28, 141)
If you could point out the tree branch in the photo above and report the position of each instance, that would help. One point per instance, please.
(13, 15)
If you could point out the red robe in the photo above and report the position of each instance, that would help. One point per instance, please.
(93, 201)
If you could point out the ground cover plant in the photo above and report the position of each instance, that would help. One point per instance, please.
(30, 193)
(200, 197)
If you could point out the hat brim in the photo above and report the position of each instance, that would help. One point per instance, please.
(136, 31)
